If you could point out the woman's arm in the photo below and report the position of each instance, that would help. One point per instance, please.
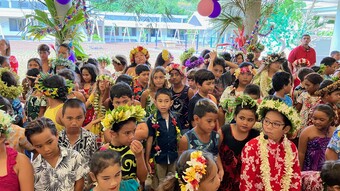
(303, 140)
(143, 98)
(25, 173)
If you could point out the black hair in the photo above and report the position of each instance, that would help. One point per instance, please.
(250, 57)
(73, 103)
(205, 52)
(204, 106)
(304, 71)
(125, 78)
(65, 46)
(6, 105)
(330, 173)
(207, 56)
(141, 68)
(92, 61)
(159, 60)
(92, 70)
(243, 64)
(116, 127)
(328, 61)
(34, 72)
(281, 79)
(334, 52)
(315, 68)
(121, 58)
(285, 67)
(38, 125)
(56, 81)
(325, 83)
(164, 91)
(37, 60)
(305, 35)
(3, 59)
(9, 79)
(202, 75)
(240, 107)
(219, 62)
(120, 89)
(68, 74)
(286, 121)
(327, 109)
(43, 47)
(252, 89)
(226, 56)
(314, 78)
(191, 74)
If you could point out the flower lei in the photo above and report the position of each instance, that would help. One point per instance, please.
(11, 92)
(271, 58)
(302, 62)
(175, 66)
(63, 62)
(277, 105)
(51, 92)
(166, 55)
(195, 63)
(265, 166)
(105, 59)
(122, 113)
(104, 77)
(138, 49)
(230, 104)
(194, 173)
(243, 70)
(186, 54)
(328, 89)
(5, 121)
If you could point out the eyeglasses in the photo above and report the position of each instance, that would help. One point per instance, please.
(275, 125)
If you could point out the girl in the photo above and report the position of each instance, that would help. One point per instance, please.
(238, 57)
(272, 64)
(61, 63)
(5, 50)
(191, 80)
(330, 175)
(88, 78)
(194, 62)
(138, 55)
(270, 161)
(314, 139)
(103, 62)
(31, 63)
(44, 52)
(234, 137)
(119, 64)
(68, 74)
(105, 171)
(157, 80)
(16, 171)
(256, 49)
(195, 171)
(164, 59)
(122, 123)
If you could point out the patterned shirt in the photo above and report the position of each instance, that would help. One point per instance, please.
(16, 139)
(86, 144)
(70, 167)
(334, 143)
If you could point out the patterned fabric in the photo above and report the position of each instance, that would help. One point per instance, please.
(10, 182)
(128, 160)
(150, 107)
(195, 143)
(307, 102)
(71, 166)
(18, 110)
(180, 106)
(86, 144)
(13, 62)
(311, 181)
(32, 106)
(89, 116)
(334, 143)
(16, 139)
(137, 90)
(315, 153)
(251, 178)
(264, 81)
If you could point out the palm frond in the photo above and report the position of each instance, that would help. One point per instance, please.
(224, 21)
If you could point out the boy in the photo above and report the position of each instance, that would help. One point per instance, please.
(162, 141)
(253, 91)
(302, 72)
(56, 167)
(191, 80)
(282, 85)
(44, 52)
(330, 65)
(141, 83)
(181, 94)
(205, 83)
(74, 136)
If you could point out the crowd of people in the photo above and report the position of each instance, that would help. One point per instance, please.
(229, 121)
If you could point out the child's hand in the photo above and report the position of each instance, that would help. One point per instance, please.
(213, 55)
(136, 147)
(149, 168)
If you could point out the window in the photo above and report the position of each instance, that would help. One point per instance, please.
(16, 24)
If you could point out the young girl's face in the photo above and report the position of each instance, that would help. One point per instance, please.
(140, 58)
(334, 97)
(245, 78)
(33, 64)
(158, 79)
(245, 120)
(217, 71)
(310, 87)
(118, 67)
(257, 54)
(126, 134)
(274, 126)
(275, 66)
(102, 85)
(103, 64)
(3, 47)
(239, 59)
(86, 76)
(44, 55)
(109, 179)
(321, 120)
(212, 182)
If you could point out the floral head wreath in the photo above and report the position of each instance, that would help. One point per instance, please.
(230, 104)
(10, 92)
(186, 54)
(258, 47)
(104, 59)
(138, 49)
(302, 62)
(328, 89)
(123, 113)
(243, 70)
(51, 92)
(195, 63)
(5, 122)
(322, 68)
(63, 62)
(284, 109)
(175, 66)
(271, 58)
(194, 173)
(166, 56)
(104, 77)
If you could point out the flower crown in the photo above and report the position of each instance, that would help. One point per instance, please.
(275, 57)
(104, 59)
(328, 89)
(186, 54)
(258, 47)
(194, 173)
(123, 113)
(175, 66)
(138, 49)
(277, 105)
(230, 104)
(243, 70)
(322, 68)
(166, 55)
(10, 92)
(104, 77)
(5, 121)
(195, 63)
(60, 61)
(302, 61)
(51, 92)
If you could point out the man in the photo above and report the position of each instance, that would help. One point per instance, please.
(303, 51)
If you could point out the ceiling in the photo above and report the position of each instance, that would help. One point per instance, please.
(323, 7)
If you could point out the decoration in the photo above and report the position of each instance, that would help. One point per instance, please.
(166, 55)
(230, 104)
(5, 122)
(115, 59)
(258, 47)
(275, 57)
(62, 7)
(104, 77)
(195, 63)
(104, 59)
(51, 92)
(329, 89)
(217, 10)
(302, 62)
(11, 92)
(138, 49)
(244, 70)
(322, 69)
(63, 62)
(205, 7)
(178, 67)
(186, 54)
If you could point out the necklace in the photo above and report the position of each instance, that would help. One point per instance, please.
(98, 108)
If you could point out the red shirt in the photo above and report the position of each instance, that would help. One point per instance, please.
(301, 52)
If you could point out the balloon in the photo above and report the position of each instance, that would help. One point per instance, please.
(205, 7)
(217, 10)
(63, 2)
(62, 9)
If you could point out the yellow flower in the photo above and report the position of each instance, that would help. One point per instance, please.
(157, 134)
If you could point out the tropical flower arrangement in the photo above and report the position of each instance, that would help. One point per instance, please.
(104, 77)
(330, 88)
(138, 49)
(195, 63)
(302, 62)
(51, 92)
(5, 122)
(166, 55)
(186, 54)
(11, 92)
(243, 70)
(175, 66)
(258, 47)
(275, 57)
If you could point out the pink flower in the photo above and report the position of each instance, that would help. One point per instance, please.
(155, 126)
(157, 148)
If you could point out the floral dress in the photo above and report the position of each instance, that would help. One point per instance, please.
(307, 102)
(315, 154)
(32, 106)
(89, 111)
(264, 81)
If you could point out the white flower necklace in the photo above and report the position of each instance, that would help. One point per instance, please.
(265, 169)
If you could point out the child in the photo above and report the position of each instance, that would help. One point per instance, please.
(16, 172)
(157, 80)
(33, 63)
(5, 50)
(56, 167)
(233, 138)
(205, 82)
(103, 62)
(119, 64)
(253, 91)
(141, 83)
(164, 134)
(301, 74)
(181, 94)
(270, 161)
(194, 62)
(68, 74)
(125, 78)
(256, 49)
(330, 175)
(4, 62)
(191, 80)
(138, 55)
(74, 136)
(105, 171)
(333, 147)
(61, 63)
(44, 52)
(195, 170)
(314, 139)
(238, 57)
(122, 124)
(328, 65)
(282, 85)
(164, 59)
(203, 136)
